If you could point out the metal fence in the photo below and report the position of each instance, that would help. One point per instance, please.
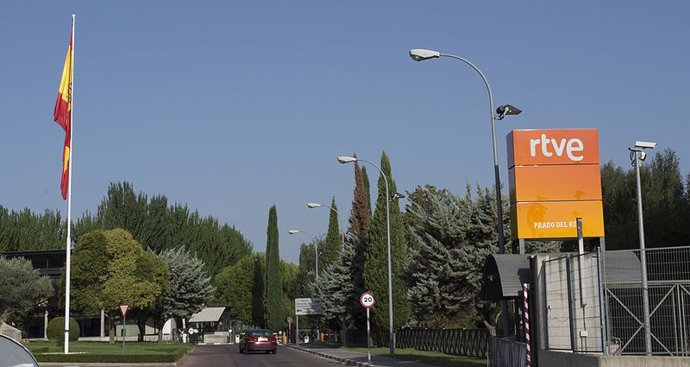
(466, 342)
(593, 302)
(668, 274)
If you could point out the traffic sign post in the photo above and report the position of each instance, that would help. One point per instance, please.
(123, 310)
(368, 301)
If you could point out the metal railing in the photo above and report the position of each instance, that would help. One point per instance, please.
(668, 273)
(466, 342)
(593, 302)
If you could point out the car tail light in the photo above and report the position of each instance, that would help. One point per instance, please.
(272, 339)
(251, 339)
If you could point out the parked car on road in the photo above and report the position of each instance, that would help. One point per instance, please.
(258, 340)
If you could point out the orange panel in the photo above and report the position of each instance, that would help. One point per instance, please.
(556, 219)
(556, 146)
(555, 183)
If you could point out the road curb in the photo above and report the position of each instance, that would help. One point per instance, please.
(346, 361)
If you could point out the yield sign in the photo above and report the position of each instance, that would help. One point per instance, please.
(123, 309)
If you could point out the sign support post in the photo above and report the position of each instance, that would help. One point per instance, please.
(367, 301)
(123, 310)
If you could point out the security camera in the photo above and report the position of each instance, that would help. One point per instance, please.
(645, 144)
(643, 156)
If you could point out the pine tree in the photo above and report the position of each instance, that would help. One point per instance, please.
(376, 256)
(274, 283)
(336, 290)
(330, 250)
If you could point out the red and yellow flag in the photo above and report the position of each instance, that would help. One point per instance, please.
(63, 115)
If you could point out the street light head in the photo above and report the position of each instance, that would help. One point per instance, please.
(313, 205)
(346, 159)
(293, 231)
(420, 54)
(398, 195)
(506, 110)
(645, 144)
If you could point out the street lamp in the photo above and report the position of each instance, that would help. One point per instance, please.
(318, 205)
(637, 155)
(347, 159)
(316, 244)
(502, 111)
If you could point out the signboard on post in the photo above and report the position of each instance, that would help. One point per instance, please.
(368, 301)
(554, 178)
(308, 306)
(123, 309)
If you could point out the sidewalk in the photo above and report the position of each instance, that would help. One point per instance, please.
(352, 358)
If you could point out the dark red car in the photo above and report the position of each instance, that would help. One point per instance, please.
(258, 340)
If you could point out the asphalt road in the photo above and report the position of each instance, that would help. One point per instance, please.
(229, 356)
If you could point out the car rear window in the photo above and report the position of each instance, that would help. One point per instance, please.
(260, 333)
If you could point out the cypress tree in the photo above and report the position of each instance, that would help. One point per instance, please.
(376, 256)
(274, 283)
(330, 251)
(367, 187)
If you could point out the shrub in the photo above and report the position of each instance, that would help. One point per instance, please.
(56, 330)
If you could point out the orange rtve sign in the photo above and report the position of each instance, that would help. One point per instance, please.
(554, 179)
(558, 146)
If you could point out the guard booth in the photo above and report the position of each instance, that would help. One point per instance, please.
(503, 278)
(214, 324)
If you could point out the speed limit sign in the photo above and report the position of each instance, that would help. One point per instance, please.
(367, 300)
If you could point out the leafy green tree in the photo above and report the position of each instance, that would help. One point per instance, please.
(22, 288)
(274, 282)
(158, 226)
(376, 256)
(25, 230)
(289, 273)
(153, 269)
(306, 275)
(664, 200)
(330, 250)
(259, 291)
(234, 287)
(105, 274)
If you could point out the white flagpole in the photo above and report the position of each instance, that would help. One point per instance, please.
(68, 248)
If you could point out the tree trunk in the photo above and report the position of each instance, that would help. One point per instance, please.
(111, 330)
(141, 325)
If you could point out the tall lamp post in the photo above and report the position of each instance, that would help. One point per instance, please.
(316, 244)
(346, 159)
(637, 155)
(318, 205)
(419, 54)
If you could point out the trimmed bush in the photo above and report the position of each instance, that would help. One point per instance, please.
(56, 330)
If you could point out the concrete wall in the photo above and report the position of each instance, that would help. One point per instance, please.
(563, 359)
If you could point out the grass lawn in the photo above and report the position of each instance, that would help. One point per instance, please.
(431, 358)
(105, 352)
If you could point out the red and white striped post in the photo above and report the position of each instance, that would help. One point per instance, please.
(527, 334)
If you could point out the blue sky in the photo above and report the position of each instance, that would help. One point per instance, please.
(232, 107)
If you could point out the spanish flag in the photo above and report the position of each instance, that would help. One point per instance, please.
(63, 114)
